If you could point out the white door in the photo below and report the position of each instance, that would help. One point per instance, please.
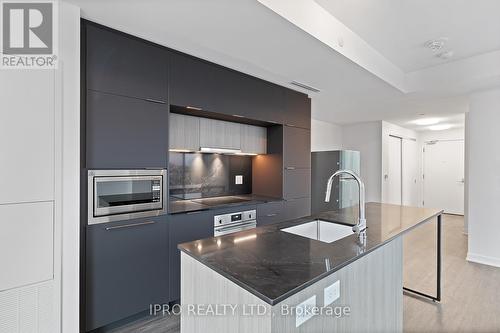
(394, 172)
(444, 176)
(411, 173)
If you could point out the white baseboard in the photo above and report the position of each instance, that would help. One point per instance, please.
(485, 260)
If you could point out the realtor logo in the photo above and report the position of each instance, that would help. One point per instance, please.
(28, 34)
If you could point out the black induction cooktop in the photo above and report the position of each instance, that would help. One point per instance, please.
(216, 201)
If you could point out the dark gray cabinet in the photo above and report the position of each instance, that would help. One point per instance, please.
(194, 83)
(185, 228)
(270, 212)
(126, 269)
(125, 132)
(296, 147)
(125, 65)
(297, 208)
(297, 109)
(297, 183)
(199, 84)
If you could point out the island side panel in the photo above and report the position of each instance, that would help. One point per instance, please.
(203, 286)
(372, 287)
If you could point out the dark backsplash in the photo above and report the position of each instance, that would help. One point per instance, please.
(197, 175)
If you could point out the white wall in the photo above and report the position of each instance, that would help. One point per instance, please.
(484, 177)
(366, 138)
(325, 136)
(39, 207)
(451, 134)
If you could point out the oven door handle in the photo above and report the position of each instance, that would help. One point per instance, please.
(233, 227)
(129, 225)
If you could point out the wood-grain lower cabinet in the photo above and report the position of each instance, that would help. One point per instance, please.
(126, 269)
(185, 228)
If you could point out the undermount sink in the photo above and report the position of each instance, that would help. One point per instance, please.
(323, 231)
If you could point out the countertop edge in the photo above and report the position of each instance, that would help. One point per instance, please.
(286, 295)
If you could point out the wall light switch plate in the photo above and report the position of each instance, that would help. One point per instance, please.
(332, 293)
(305, 311)
(239, 180)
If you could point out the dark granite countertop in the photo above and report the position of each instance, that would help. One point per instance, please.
(273, 265)
(185, 206)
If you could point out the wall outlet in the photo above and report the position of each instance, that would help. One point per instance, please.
(238, 180)
(305, 311)
(332, 293)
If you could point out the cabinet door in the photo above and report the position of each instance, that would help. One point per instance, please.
(297, 208)
(184, 132)
(124, 65)
(297, 110)
(127, 269)
(251, 98)
(297, 183)
(185, 228)
(193, 83)
(270, 212)
(219, 134)
(253, 139)
(125, 132)
(296, 147)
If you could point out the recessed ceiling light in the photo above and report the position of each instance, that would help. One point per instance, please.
(426, 121)
(440, 127)
(436, 44)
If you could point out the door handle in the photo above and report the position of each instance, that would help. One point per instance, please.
(271, 215)
(129, 225)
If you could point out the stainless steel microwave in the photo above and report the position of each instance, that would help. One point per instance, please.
(115, 195)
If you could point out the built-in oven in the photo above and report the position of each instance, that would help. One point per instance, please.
(115, 195)
(234, 222)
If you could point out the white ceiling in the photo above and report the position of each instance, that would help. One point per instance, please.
(247, 36)
(399, 28)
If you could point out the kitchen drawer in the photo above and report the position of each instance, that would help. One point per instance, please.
(297, 183)
(126, 269)
(271, 212)
(297, 208)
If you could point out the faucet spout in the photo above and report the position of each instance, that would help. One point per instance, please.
(360, 227)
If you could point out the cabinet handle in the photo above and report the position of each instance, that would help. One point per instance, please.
(155, 101)
(290, 125)
(129, 225)
(197, 212)
(289, 168)
(271, 215)
(194, 108)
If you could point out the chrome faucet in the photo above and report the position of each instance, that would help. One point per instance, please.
(360, 227)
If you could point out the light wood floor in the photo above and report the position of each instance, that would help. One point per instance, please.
(470, 292)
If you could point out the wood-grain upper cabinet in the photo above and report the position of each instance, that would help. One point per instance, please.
(124, 132)
(184, 133)
(219, 134)
(253, 139)
(125, 65)
(297, 110)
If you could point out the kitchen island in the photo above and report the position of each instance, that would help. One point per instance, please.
(270, 280)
